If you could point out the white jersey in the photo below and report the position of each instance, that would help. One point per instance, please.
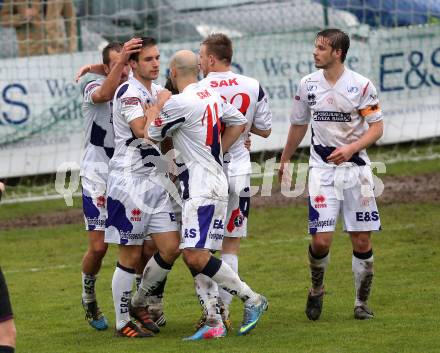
(246, 94)
(340, 114)
(131, 154)
(192, 118)
(99, 137)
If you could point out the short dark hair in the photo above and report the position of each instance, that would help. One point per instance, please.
(219, 45)
(116, 46)
(337, 39)
(146, 43)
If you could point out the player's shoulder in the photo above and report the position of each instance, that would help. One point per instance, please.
(315, 76)
(128, 88)
(91, 85)
(357, 79)
(248, 80)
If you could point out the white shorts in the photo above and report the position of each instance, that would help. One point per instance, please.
(94, 202)
(238, 206)
(342, 190)
(136, 208)
(203, 223)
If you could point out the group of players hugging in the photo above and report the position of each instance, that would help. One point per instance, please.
(166, 172)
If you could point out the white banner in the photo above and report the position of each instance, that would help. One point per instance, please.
(41, 124)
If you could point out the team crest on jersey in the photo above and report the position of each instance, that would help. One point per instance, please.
(158, 121)
(238, 221)
(352, 89)
(135, 215)
(100, 201)
(311, 98)
(320, 201)
(130, 101)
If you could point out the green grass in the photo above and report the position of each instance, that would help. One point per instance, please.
(26, 209)
(42, 266)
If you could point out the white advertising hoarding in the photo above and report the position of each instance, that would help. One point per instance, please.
(41, 125)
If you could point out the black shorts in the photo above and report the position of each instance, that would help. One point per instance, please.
(5, 304)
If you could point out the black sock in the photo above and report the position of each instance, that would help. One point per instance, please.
(7, 349)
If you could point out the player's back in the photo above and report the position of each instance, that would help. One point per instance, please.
(192, 118)
(99, 134)
(247, 95)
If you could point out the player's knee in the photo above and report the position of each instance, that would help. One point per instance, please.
(98, 251)
(361, 242)
(130, 259)
(170, 255)
(192, 260)
(8, 333)
(321, 245)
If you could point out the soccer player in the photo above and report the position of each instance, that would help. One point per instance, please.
(192, 118)
(345, 116)
(99, 147)
(138, 204)
(7, 327)
(248, 96)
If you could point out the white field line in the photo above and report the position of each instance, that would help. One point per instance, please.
(36, 198)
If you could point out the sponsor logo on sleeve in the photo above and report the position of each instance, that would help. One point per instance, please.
(127, 101)
(92, 86)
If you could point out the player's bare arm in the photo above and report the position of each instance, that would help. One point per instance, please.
(133, 45)
(259, 132)
(294, 138)
(152, 111)
(97, 69)
(111, 83)
(230, 135)
(344, 153)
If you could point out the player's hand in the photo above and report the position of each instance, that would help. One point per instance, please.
(162, 97)
(151, 112)
(132, 46)
(341, 154)
(82, 71)
(247, 142)
(284, 175)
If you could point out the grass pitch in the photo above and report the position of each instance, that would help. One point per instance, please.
(42, 267)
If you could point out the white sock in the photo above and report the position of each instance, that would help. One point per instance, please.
(363, 276)
(122, 283)
(226, 278)
(88, 288)
(207, 292)
(232, 261)
(154, 273)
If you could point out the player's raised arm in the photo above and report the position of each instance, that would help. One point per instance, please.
(114, 74)
(162, 118)
(97, 69)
